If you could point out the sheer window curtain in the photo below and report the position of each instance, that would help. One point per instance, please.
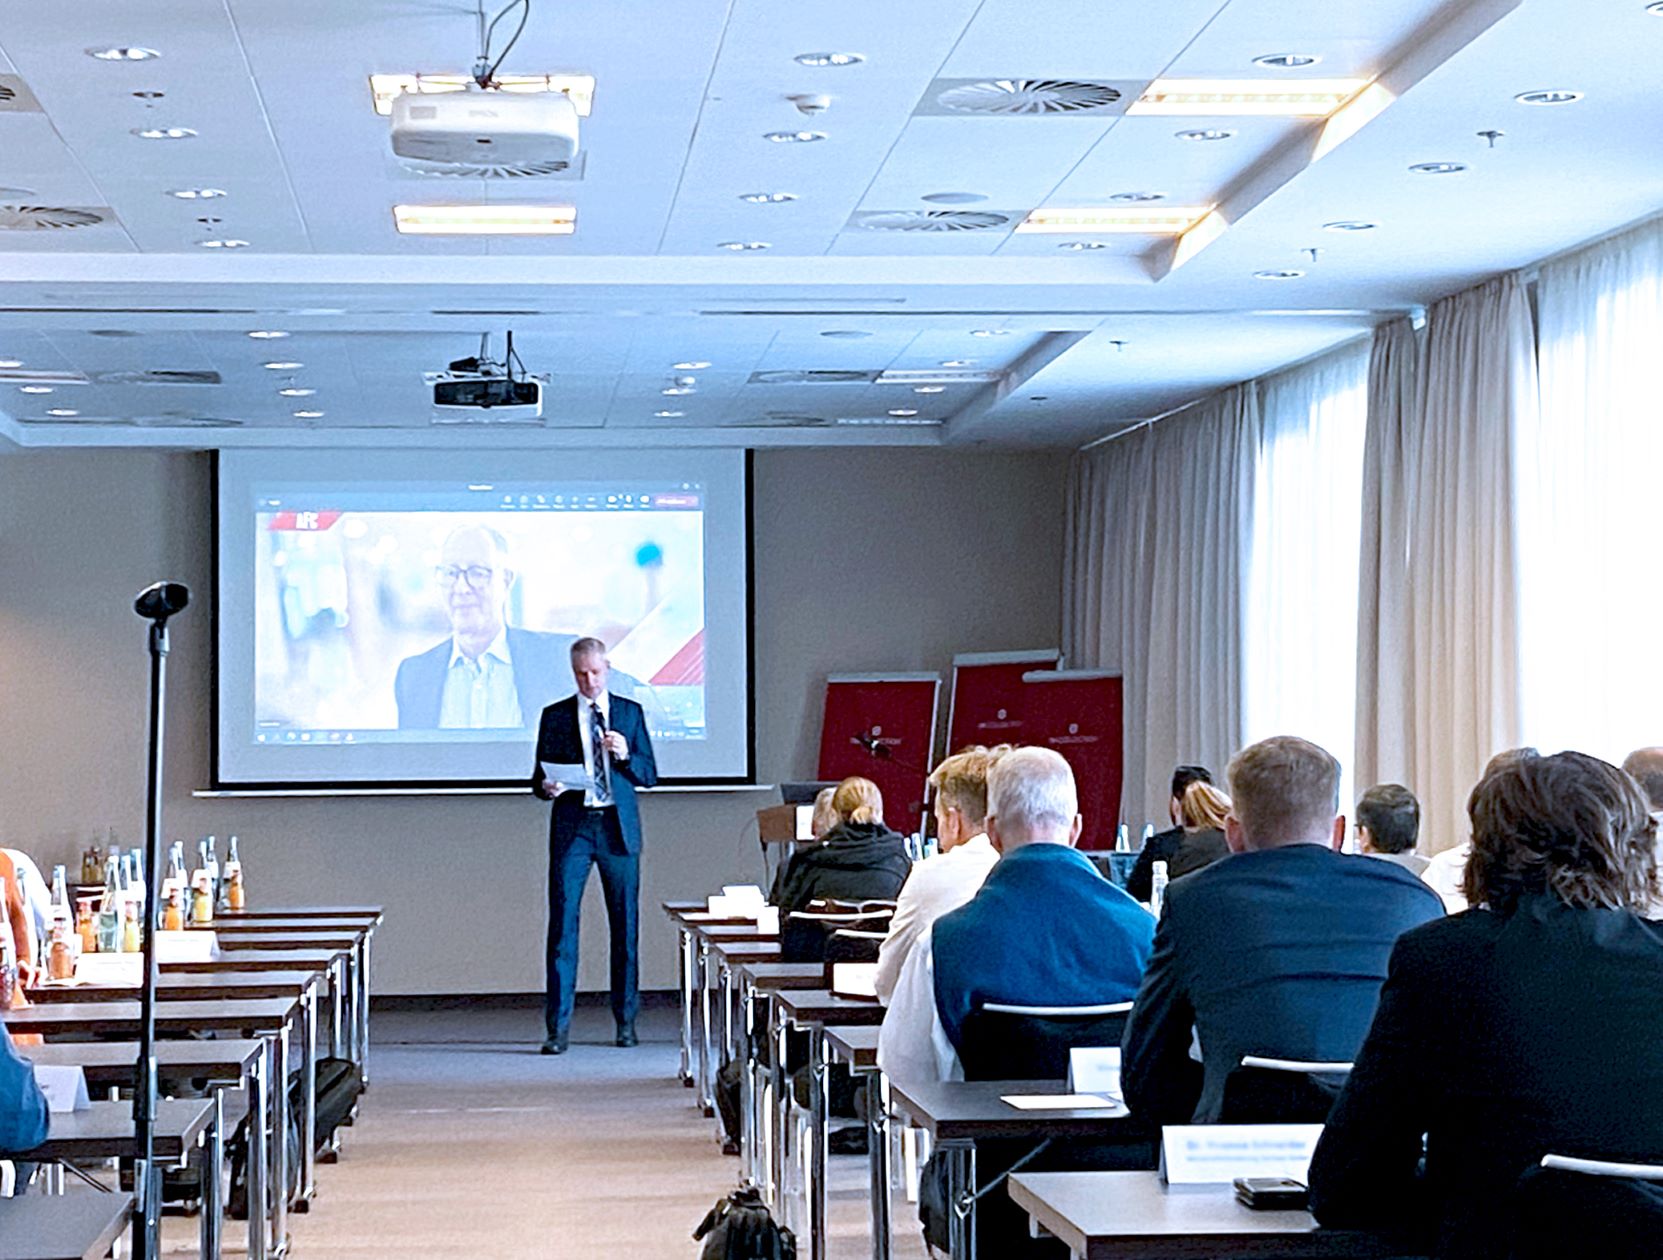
(1158, 521)
(1591, 603)
(1299, 618)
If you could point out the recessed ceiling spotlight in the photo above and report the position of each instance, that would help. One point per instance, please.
(123, 54)
(149, 96)
(283, 365)
(691, 365)
(1286, 61)
(1349, 225)
(958, 363)
(903, 411)
(197, 194)
(295, 391)
(962, 198)
(164, 133)
(669, 415)
(267, 334)
(34, 389)
(62, 411)
(1438, 168)
(990, 332)
(767, 199)
(11, 363)
(793, 137)
(1203, 134)
(226, 242)
(1139, 196)
(845, 334)
(828, 59)
(677, 391)
(1077, 246)
(741, 246)
(1549, 96)
(1283, 274)
(929, 389)
(308, 415)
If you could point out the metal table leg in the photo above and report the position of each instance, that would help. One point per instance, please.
(707, 1098)
(258, 1085)
(338, 1037)
(684, 970)
(364, 1007)
(780, 1141)
(877, 1154)
(961, 1199)
(819, 1123)
(748, 1144)
(280, 1146)
(309, 1104)
(212, 1176)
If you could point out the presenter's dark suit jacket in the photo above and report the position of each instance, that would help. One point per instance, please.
(558, 741)
(1279, 953)
(1499, 1040)
(542, 670)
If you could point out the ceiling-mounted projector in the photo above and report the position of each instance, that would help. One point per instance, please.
(481, 389)
(486, 125)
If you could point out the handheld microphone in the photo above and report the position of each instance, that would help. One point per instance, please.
(161, 600)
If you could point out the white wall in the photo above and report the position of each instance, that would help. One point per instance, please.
(864, 560)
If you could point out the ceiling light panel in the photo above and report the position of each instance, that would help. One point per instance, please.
(1245, 98)
(580, 87)
(1159, 220)
(485, 219)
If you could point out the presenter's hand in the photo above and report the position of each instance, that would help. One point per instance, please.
(550, 790)
(617, 746)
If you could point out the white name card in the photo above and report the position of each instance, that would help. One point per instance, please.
(768, 920)
(1060, 1102)
(65, 1088)
(1094, 1070)
(110, 969)
(805, 822)
(748, 895)
(180, 947)
(856, 980)
(1216, 1154)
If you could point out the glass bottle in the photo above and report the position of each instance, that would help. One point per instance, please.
(212, 865)
(60, 954)
(131, 941)
(110, 913)
(202, 899)
(1157, 888)
(85, 926)
(235, 895)
(173, 909)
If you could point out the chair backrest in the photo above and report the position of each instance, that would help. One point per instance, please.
(1002, 1042)
(1281, 1091)
(846, 945)
(1571, 1207)
(804, 933)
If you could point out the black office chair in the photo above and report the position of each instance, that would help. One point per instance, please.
(1031, 1043)
(1566, 1207)
(1281, 1091)
(804, 933)
(854, 945)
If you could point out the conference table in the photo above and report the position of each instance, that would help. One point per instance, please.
(690, 918)
(762, 1142)
(856, 1047)
(79, 1226)
(1136, 1216)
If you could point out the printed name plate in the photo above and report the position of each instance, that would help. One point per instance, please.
(196, 945)
(1094, 1070)
(1216, 1154)
(65, 1088)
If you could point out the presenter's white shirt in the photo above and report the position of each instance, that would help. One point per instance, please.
(479, 694)
(913, 1044)
(935, 887)
(584, 721)
(1444, 873)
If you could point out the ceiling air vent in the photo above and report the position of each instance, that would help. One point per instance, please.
(15, 97)
(46, 218)
(1027, 98)
(497, 170)
(159, 376)
(183, 420)
(811, 376)
(932, 221)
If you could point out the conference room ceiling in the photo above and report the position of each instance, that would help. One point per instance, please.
(1060, 337)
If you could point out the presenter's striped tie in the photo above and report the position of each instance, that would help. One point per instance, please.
(597, 746)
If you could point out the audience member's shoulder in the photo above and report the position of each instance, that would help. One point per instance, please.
(1447, 942)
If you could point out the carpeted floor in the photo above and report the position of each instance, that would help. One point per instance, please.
(472, 1146)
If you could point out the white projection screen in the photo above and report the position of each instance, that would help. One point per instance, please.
(402, 618)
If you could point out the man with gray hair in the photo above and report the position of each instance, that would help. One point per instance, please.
(1278, 950)
(1646, 766)
(1044, 930)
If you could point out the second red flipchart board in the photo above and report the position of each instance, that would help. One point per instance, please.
(1077, 712)
(882, 727)
(987, 703)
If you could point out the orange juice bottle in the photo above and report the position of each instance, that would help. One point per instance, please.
(84, 926)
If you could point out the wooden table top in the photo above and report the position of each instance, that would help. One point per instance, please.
(822, 1006)
(856, 1045)
(730, 932)
(778, 975)
(252, 927)
(371, 913)
(290, 938)
(972, 1111)
(1121, 1215)
(317, 961)
(82, 1225)
(187, 985)
(121, 1019)
(683, 907)
(116, 1062)
(105, 1130)
(733, 952)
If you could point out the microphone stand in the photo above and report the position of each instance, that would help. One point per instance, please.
(879, 751)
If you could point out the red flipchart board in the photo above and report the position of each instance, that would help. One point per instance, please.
(988, 704)
(1078, 713)
(882, 727)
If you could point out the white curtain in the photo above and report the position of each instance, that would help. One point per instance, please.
(1591, 604)
(1157, 522)
(1299, 619)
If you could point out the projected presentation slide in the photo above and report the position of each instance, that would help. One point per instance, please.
(414, 628)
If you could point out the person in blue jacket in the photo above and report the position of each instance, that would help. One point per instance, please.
(23, 1121)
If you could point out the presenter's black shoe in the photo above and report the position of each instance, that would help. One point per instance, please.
(555, 1044)
(626, 1036)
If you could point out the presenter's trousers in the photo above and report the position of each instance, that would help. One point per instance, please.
(598, 842)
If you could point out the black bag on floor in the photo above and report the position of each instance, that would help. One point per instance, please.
(740, 1227)
(730, 1078)
(337, 1086)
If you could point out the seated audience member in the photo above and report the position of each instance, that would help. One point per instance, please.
(1045, 930)
(37, 897)
(1201, 817)
(1279, 951)
(859, 859)
(1646, 765)
(1525, 1026)
(951, 878)
(824, 817)
(1446, 871)
(1388, 824)
(23, 1119)
(1163, 844)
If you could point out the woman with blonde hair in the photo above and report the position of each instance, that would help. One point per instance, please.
(858, 859)
(1201, 813)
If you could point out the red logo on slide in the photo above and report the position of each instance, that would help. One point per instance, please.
(307, 522)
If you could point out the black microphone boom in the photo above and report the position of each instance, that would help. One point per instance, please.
(160, 601)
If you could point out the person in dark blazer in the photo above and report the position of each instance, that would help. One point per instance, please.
(598, 825)
(1201, 818)
(1278, 950)
(23, 1117)
(1163, 844)
(1525, 1026)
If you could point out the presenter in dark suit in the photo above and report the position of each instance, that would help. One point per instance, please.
(596, 826)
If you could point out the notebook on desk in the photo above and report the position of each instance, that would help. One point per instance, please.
(855, 980)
